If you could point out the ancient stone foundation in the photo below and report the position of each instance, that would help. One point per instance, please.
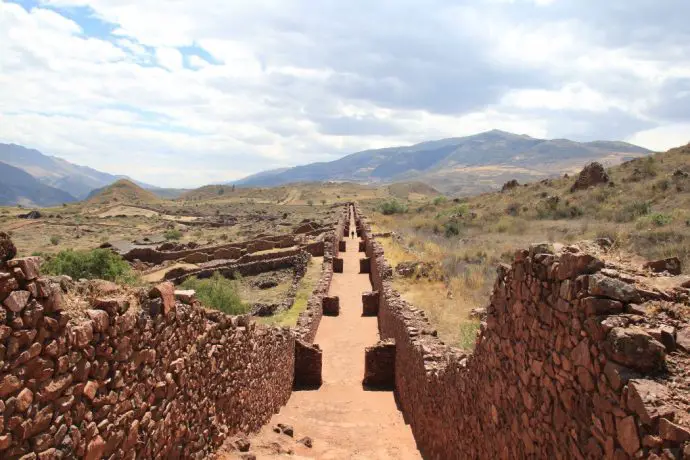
(331, 306)
(365, 265)
(342, 246)
(337, 265)
(362, 246)
(379, 365)
(578, 357)
(370, 303)
(308, 362)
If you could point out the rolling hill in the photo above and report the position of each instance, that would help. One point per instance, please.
(123, 191)
(462, 165)
(76, 180)
(20, 188)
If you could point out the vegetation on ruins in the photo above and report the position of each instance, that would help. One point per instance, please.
(219, 293)
(172, 234)
(94, 264)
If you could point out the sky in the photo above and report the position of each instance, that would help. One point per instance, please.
(181, 93)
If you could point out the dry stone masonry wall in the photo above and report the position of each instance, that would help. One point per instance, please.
(170, 381)
(578, 357)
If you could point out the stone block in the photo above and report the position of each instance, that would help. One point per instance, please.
(362, 246)
(379, 365)
(370, 303)
(337, 265)
(308, 363)
(196, 258)
(331, 306)
(342, 245)
(365, 265)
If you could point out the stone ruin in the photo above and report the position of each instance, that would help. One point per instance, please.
(578, 357)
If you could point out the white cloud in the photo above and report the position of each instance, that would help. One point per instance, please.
(270, 83)
(170, 58)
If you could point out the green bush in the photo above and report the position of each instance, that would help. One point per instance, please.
(54, 240)
(660, 220)
(451, 228)
(392, 207)
(95, 264)
(632, 211)
(219, 293)
(172, 234)
(440, 200)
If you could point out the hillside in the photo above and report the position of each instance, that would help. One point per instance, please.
(463, 165)
(644, 209)
(121, 192)
(19, 188)
(76, 180)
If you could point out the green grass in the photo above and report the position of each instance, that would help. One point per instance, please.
(306, 286)
(93, 264)
(219, 293)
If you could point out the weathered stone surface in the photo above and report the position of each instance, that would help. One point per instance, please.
(370, 303)
(634, 348)
(683, 338)
(672, 432)
(337, 265)
(17, 300)
(646, 399)
(671, 265)
(628, 437)
(605, 286)
(186, 296)
(166, 292)
(197, 258)
(101, 320)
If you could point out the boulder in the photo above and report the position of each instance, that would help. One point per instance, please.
(510, 185)
(592, 174)
(670, 265)
(634, 348)
(7, 248)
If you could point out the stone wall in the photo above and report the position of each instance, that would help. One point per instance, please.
(578, 358)
(170, 380)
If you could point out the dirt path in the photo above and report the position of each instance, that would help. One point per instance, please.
(344, 421)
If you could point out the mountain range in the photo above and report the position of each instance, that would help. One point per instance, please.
(61, 175)
(17, 187)
(460, 165)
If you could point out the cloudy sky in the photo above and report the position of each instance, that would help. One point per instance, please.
(186, 92)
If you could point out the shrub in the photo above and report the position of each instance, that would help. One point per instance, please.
(219, 293)
(660, 220)
(172, 234)
(632, 211)
(310, 202)
(392, 207)
(440, 200)
(54, 240)
(94, 264)
(451, 228)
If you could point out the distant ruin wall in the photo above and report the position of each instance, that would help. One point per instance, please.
(123, 384)
(562, 368)
(309, 320)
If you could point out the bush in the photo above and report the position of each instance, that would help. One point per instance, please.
(660, 220)
(172, 234)
(54, 240)
(632, 211)
(310, 202)
(94, 264)
(219, 293)
(440, 200)
(451, 228)
(392, 207)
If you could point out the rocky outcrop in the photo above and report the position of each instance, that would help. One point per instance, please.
(510, 185)
(592, 174)
(575, 359)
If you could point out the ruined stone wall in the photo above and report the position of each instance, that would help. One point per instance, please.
(567, 363)
(171, 382)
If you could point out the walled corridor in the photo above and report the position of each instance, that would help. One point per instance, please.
(344, 420)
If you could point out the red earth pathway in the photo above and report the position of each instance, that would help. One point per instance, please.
(343, 420)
